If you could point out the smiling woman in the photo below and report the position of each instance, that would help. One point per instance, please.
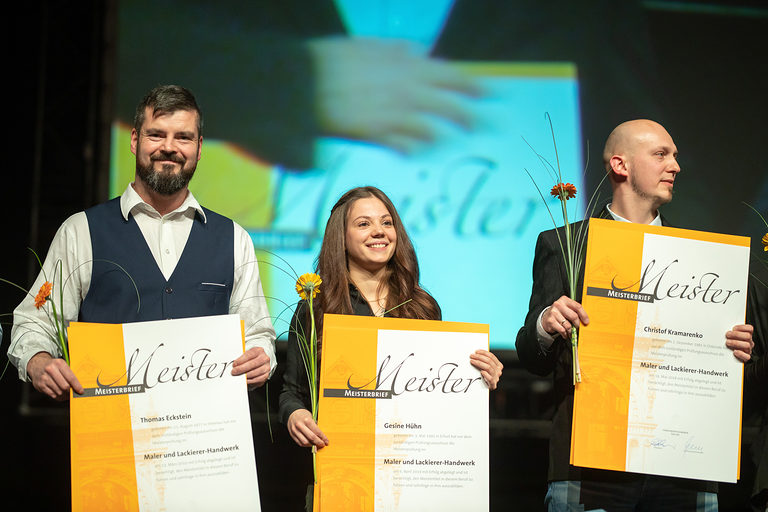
(371, 241)
(368, 267)
(367, 252)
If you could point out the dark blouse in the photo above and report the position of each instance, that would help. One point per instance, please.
(295, 393)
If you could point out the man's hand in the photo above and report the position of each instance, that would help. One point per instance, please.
(304, 430)
(563, 314)
(254, 363)
(489, 365)
(739, 339)
(52, 377)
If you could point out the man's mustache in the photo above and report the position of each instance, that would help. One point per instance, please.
(173, 157)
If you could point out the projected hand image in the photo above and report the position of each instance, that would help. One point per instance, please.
(385, 92)
(303, 100)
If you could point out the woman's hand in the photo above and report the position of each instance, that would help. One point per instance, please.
(489, 365)
(304, 430)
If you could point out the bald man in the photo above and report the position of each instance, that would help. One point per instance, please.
(640, 158)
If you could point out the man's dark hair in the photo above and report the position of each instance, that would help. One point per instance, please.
(166, 99)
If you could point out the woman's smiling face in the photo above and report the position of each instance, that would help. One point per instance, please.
(370, 238)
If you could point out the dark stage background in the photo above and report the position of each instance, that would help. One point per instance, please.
(710, 80)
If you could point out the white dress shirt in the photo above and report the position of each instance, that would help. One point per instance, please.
(166, 235)
(546, 339)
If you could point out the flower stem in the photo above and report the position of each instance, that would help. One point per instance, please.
(58, 319)
(313, 360)
(314, 463)
(575, 355)
(570, 263)
(313, 379)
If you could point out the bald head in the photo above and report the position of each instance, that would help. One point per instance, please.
(641, 160)
(628, 136)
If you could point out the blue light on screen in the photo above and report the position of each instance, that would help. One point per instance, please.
(469, 206)
(463, 192)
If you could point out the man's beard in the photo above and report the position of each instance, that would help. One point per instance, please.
(165, 181)
(643, 194)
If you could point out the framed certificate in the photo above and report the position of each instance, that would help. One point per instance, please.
(406, 416)
(660, 391)
(162, 425)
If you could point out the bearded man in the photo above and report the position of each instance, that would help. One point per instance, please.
(185, 260)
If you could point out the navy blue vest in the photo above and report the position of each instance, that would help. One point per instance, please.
(201, 283)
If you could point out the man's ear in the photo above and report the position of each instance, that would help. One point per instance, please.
(619, 165)
(134, 140)
(200, 148)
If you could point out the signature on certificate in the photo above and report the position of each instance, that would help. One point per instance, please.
(660, 443)
(693, 446)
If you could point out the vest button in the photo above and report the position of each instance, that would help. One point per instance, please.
(169, 290)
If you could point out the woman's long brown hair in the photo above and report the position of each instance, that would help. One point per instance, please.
(402, 278)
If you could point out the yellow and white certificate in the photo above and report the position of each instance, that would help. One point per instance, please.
(406, 416)
(162, 425)
(660, 391)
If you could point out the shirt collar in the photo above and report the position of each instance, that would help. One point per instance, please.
(131, 199)
(616, 216)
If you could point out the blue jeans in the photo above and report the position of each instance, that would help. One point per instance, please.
(651, 494)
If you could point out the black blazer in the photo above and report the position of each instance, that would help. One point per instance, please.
(550, 282)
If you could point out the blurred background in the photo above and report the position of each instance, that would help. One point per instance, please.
(440, 103)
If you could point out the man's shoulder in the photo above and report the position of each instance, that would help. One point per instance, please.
(560, 230)
(598, 214)
(74, 223)
(103, 210)
(218, 221)
(217, 217)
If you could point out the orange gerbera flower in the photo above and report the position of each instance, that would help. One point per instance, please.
(43, 294)
(765, 242)
(564, 191)
(308, 285)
